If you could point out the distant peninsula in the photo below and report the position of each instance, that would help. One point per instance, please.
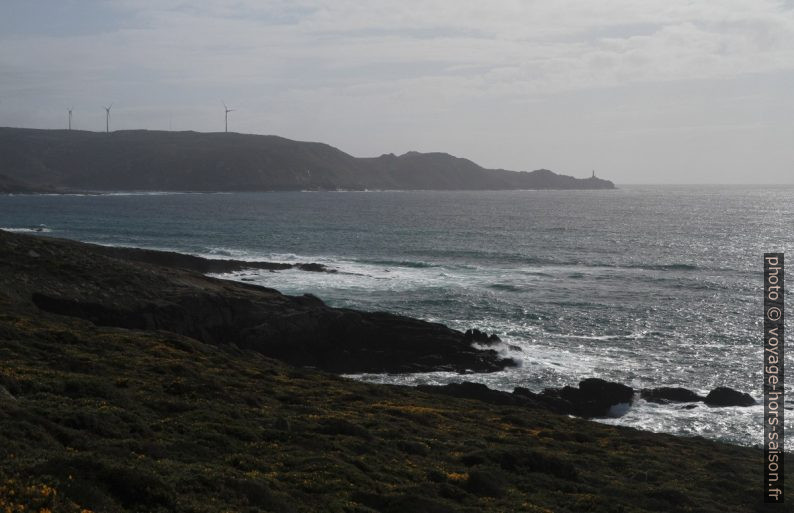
(33, 160)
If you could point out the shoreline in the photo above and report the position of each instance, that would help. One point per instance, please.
(568, 400)
(147, 289)
(593, 398)
(143, 417)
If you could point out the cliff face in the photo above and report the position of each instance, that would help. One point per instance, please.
(54, 276)
(150, 160)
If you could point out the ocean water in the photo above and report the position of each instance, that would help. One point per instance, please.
(645, 285)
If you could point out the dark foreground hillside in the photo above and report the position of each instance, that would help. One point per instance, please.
(112, 419)
(192, 161)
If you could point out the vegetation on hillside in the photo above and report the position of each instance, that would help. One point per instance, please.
(110, 420)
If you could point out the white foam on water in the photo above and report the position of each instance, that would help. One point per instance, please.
(546, 359)
(350, 275)
(618, 410)
(40, 229)
(143, 193)
(743, 424)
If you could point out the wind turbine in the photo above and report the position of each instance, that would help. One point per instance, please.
(107, 118)
(228, 110)
(70, 117)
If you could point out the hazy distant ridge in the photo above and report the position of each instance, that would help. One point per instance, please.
(193, 161)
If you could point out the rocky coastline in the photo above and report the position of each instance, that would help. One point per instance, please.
(154, 290)
(592, 398)
(175, 296)
(130, 381)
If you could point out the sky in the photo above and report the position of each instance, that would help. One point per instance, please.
(658, 91)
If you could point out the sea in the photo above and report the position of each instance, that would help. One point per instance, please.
(649, 286)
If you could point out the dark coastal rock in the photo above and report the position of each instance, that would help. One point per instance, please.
(480, 392)
(102, 286)
(476, 336)
(664, 395)
(523, 391)
(595, 389)
(297, 331)
(559, 399)
(593, 398)
(314, 267)
(724, 396)
(519, 397)
(551, 402)
(200, 264)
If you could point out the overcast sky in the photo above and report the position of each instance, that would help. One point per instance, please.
(657, 91)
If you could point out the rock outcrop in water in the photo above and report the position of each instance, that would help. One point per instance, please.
(720, 396)
(592, 398)
(476, 336)
(85, 281)
(724, 396)
(192, 161)
(664, 395)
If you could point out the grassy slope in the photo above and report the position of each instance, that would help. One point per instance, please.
(122, 420)
(118, 420)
